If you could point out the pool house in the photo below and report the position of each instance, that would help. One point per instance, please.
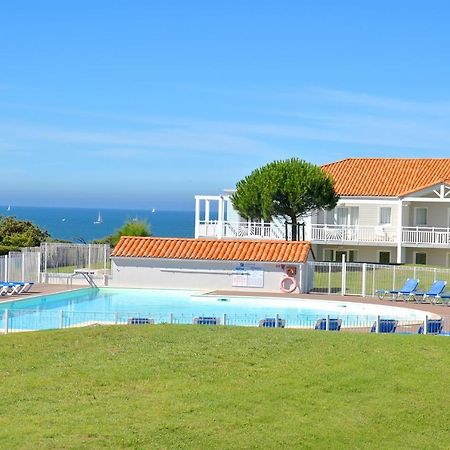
(211, 264)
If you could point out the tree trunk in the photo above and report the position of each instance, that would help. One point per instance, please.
(294, 228)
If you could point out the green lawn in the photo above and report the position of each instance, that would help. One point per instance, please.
(200, 387)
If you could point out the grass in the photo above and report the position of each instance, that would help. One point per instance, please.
(205, 387)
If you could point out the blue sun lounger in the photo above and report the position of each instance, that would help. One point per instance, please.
(270, 322)
(406, 291)
(433, 293)
(434, 326)
(334, 324)
(384, 326)
(206, 321)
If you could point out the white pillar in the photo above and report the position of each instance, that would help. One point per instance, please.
(220, 218)
(206, 210)
(399, 232)
(344, 276)
(197, 218)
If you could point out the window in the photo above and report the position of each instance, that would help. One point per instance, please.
(420, 258)
(384, 257)
(347, 215)
(336, 255)
(385, 215)
(421, 216)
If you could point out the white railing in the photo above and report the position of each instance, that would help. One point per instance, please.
(245, 230)
(353, 233)
(432, 236)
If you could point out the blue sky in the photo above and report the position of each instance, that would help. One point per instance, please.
(146, 103)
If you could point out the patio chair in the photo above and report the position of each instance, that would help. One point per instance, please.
(384, 326)
(334, 324)
(406, 291)
(270, 322)
(206, 321)
(140, 321)
(433, 293)
(434, 326)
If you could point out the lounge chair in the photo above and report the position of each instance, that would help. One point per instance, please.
(434, 326)
(206, 321)
(334, 324)
(406, 291)
(140, 321)
(433, 293)
(270, 322)
(384, 326)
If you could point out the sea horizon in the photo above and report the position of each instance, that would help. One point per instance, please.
(77, 224)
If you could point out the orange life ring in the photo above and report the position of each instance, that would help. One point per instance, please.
(289, 289)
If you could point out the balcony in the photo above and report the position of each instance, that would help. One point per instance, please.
(239, 230)
(338, 234)
(331, 234)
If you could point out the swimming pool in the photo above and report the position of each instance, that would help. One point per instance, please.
(110, 305)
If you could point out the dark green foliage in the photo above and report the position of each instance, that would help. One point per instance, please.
(291, 188)
(129, 228)
(16, 233)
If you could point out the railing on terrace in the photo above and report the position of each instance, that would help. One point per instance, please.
(251, 230)
(353, 233)
(17, 320)
(426, 235)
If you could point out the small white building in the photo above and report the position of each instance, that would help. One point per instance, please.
(211, 264)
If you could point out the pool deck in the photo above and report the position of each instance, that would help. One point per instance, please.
(441, 310)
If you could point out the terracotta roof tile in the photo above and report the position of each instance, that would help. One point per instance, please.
(386, 177)
(212, 249)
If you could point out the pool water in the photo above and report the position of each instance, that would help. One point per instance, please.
(109, 305)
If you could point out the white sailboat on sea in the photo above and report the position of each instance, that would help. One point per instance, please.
(99, 219)
(153, 210)
(8, 208)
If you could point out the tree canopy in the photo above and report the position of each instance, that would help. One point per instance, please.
(290, 188)
(20, 233)
(129, 228)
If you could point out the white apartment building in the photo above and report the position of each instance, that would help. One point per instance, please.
(391, 210)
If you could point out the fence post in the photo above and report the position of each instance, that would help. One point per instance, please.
(277, 318)
(393, 278)
(364, 279)
(6, 268)
(89, 256)
(343, 276)
(6, 320)
(377, 325)
(171, 318)
(425, 325)
(327, 323)
(104, 257)
(39, 266)
(224, 319)
(61, 319)
(116, 318)
(329, 278)
(23, 266)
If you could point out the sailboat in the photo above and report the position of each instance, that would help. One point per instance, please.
(8, 208)
(99, 219)
(153, 210)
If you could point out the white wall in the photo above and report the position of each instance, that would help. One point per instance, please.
(194, 274)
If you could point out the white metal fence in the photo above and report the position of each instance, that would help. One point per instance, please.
(20, 266)
(365, 279)
(19, 320)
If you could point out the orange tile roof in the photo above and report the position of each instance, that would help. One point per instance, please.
(386, 177)
(212, 249)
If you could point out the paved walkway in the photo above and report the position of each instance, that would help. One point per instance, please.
(41, 289)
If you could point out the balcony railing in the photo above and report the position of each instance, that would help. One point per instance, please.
(333, 234)
(432, 236)
(353, 233)
(243, 230)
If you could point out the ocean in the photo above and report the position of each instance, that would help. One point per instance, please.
(77, 224)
